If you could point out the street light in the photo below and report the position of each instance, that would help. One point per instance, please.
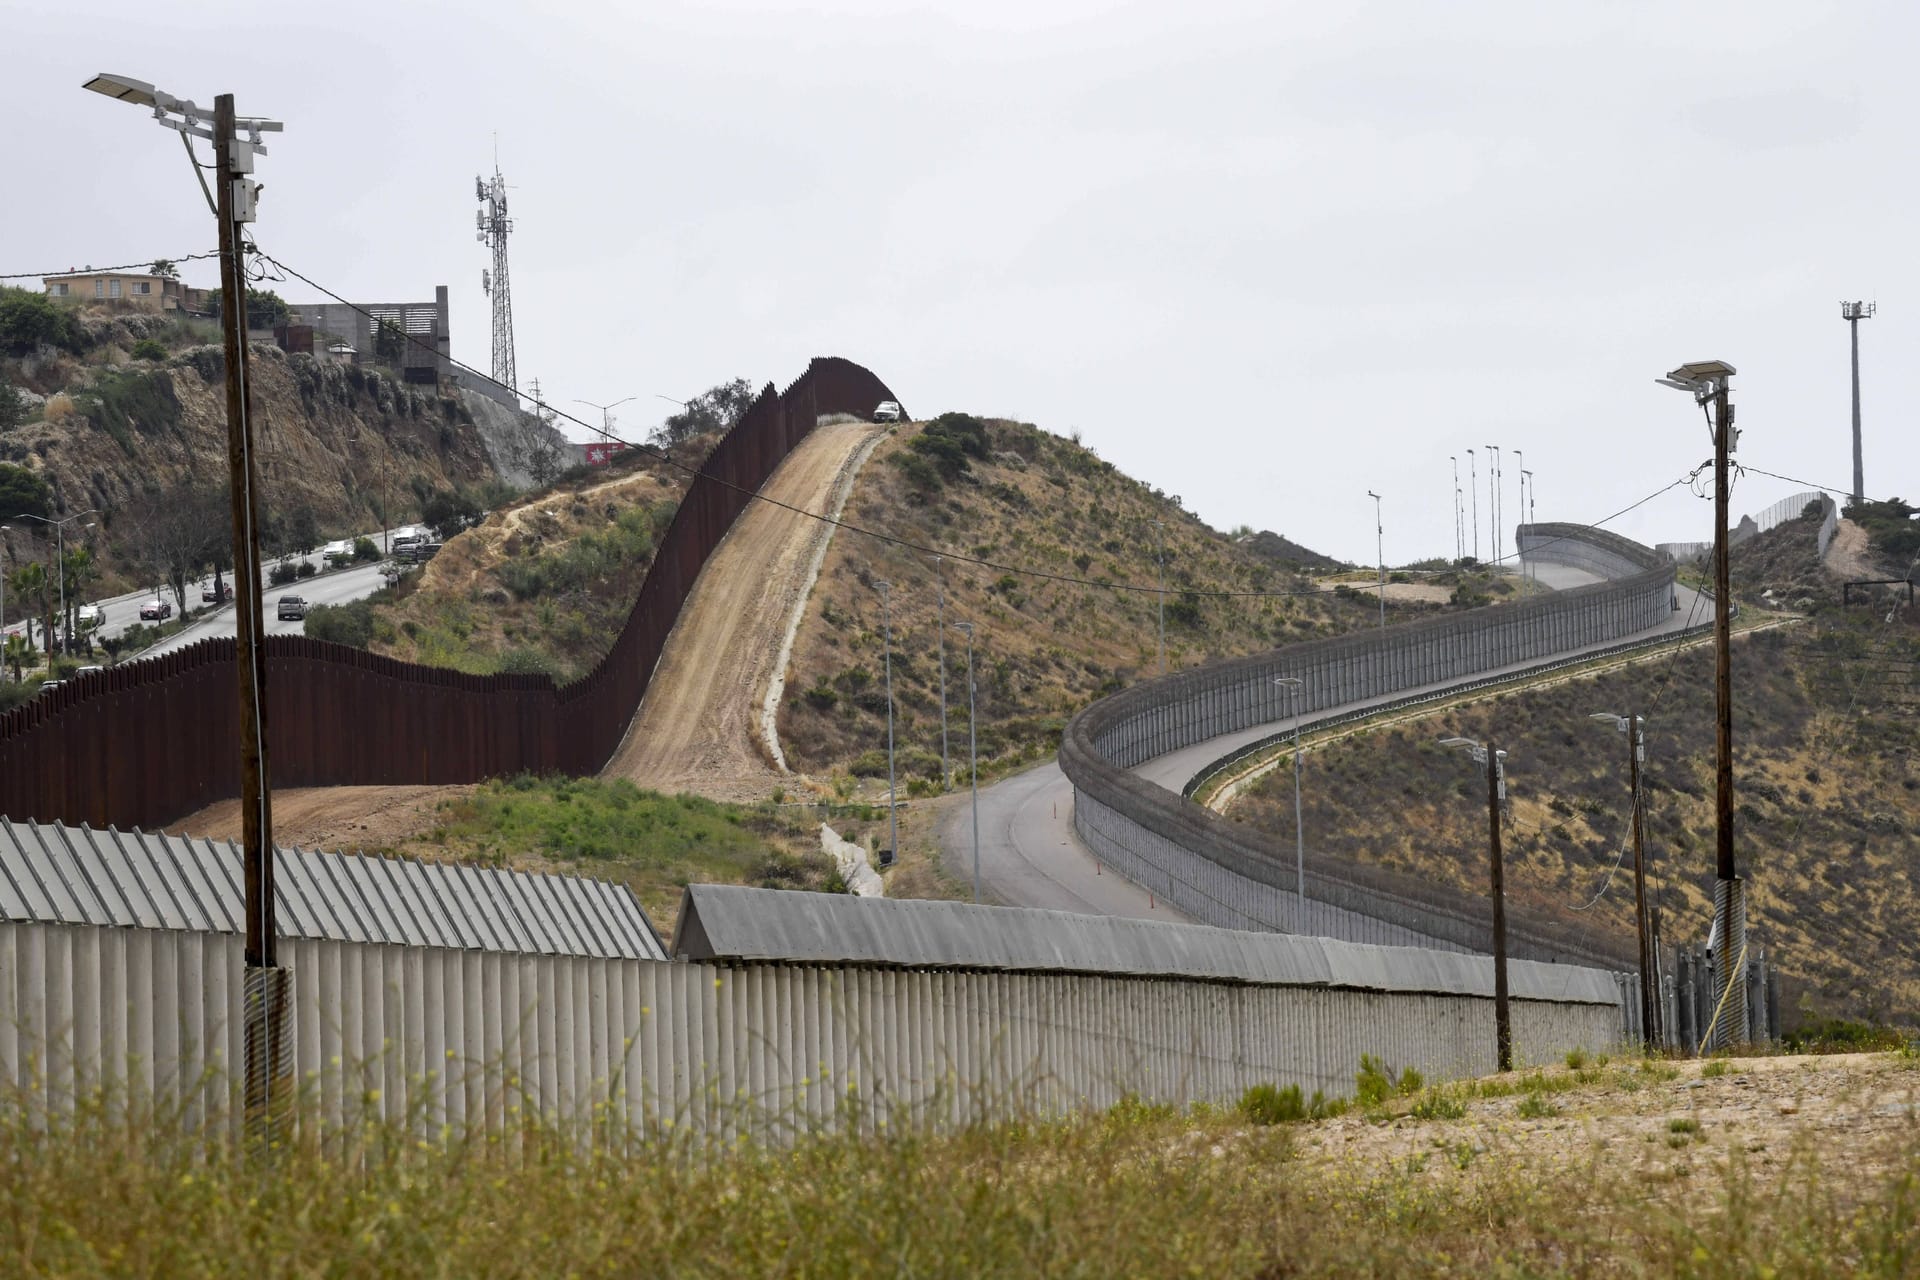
(1495, 761)
(236, 203)
(973, 758)
(1380, 546)
(946, 776)
(1473, 487)
(606, 414)
(1706, 381)
(62, 642)
(1634, 727)
(893, 813)
(1293, 685)
(1161, 555)
(1457, 548)
(1493, 502)
(1520, 465)
(1526, 510)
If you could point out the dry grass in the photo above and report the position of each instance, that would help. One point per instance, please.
(1134, 1191)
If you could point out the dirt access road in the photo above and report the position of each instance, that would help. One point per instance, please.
(702, 727)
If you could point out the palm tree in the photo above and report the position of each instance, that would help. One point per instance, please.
(81, 570)
(18, 650)
(29, 582)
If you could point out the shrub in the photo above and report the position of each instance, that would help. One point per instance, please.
(130, 402)
(1438, 1106)
(1372, 1084)
(365, 549)
(13, 407)
(1536, 1107)
(305, 569)
(22, 492)
(148, 349)
(1264, 1104)
(30, 320)
(60, 408)
(281, 574)
(348, 624)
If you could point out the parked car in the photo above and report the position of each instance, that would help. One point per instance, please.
(887, 411)
(155, 610)
(215, 592)
(292, 609)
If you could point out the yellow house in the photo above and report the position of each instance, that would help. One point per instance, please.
(154, 293)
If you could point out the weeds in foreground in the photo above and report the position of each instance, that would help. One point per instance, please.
(1138, 1189)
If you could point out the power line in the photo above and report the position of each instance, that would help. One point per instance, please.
(887, 538)
(125, 266)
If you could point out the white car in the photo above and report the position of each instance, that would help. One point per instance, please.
(887, 411)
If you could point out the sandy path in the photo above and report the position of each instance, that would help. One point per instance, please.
(331, 817)
(699, 728)
(1848, 557)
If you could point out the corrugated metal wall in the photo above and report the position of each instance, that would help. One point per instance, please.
(465, 1037)
(145, 744)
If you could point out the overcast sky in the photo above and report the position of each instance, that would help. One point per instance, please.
(1265, 256)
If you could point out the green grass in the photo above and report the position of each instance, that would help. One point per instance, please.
(655, 843)
(1139, 1190)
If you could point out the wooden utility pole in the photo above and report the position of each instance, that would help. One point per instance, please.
(1636, 738)
(1502, 1023)
(1729, 903)
(256, 820)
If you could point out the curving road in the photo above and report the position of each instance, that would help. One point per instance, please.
(1030, 855)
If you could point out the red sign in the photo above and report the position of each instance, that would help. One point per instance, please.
(600, 454)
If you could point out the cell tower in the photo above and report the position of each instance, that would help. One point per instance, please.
(1853, 313)
(492, 228)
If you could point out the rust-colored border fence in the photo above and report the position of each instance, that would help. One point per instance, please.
(147, 743)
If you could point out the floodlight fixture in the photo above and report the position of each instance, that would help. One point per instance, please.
(125, 89)
(1857, 310)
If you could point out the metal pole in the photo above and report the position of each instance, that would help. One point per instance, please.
(1503, 1026)
(256, 822)
(1493, 502)
(1299, 822)
(1456, 504)
(1636, 746)
(973, 763)
(1859, 464)
(946, 775)
(1161, 526)
(1729, 907)
(1473, 487)
(60, 554)
(1380, 549)
(893, 810)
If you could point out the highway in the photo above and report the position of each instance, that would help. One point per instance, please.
(1030, 855)
(338, 587)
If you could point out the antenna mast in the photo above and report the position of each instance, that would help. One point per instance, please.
(492, 226)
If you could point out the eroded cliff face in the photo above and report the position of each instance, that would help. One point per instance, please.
(350, 445)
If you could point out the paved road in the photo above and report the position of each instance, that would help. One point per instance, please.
(330, 588)
(1030, 855)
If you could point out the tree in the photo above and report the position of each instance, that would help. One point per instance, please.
(449, 512)
(13, 407)
(18, 650)
(715, 409)
(29, 321)
(29, 583)
(22, 493)
(178, 532)
(80, 571)
(389, 341)
(539, 447)
(165, 269)
(265, 308)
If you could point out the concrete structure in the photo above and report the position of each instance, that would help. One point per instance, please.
(139, 289)
(425, 358)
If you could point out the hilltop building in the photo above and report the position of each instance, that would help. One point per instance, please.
(140, 289)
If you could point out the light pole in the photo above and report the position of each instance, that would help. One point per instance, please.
(1493, 502)
(1160, 554)
(1519, 464)
(1495, 761)
(1526, 508)
(234, 205)
(946, 775)
(1706, 381)
(973, 759)
(62, 640)
(1293, 686)
(1634, 726)
(1853, 313)
(606, 415)
(1380, 547)
(893, 812)
(1473, 487)
(1456, 505)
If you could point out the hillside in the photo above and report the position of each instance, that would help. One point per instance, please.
(124, 411)
(1828, 797)
(1012, 494)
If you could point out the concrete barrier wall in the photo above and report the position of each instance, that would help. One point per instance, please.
(470, 1039)
(1220, 874)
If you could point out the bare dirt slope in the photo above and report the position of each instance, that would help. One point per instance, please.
(1849, 557)
(331, 817)
(699, 728)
